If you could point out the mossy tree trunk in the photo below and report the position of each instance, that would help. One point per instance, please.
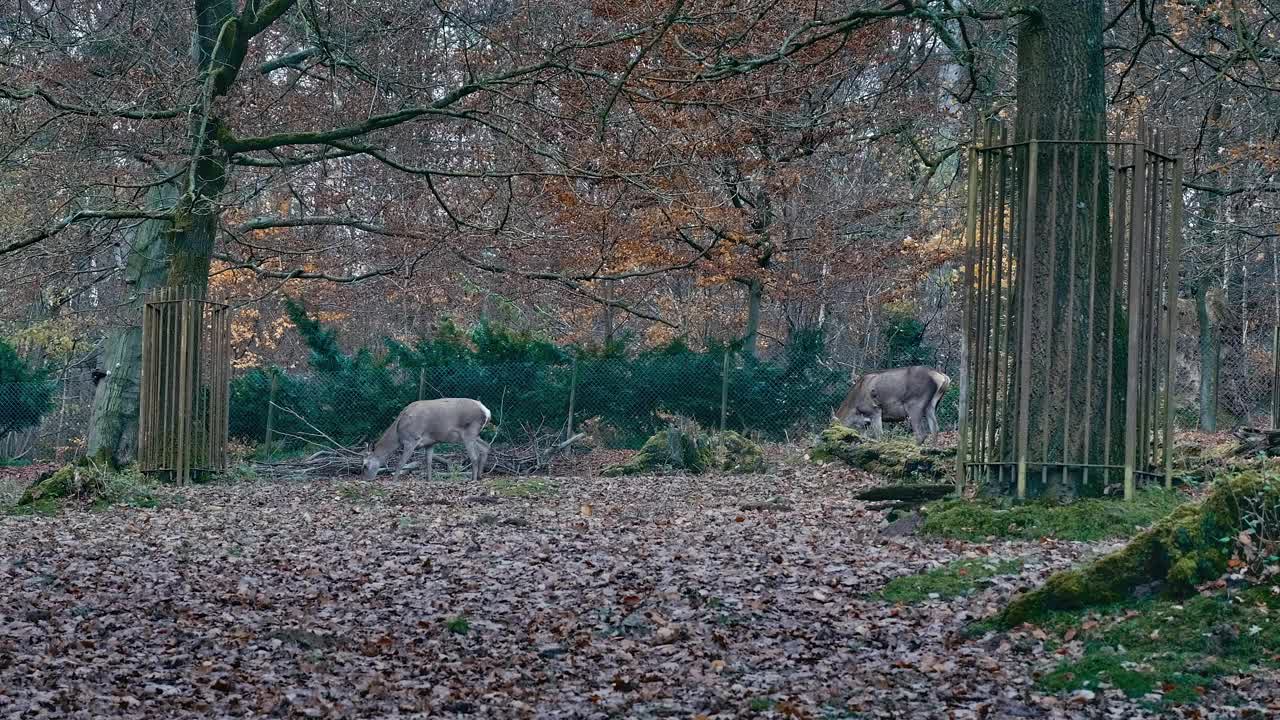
(1061, 94)
(113, 424)
(177, 253)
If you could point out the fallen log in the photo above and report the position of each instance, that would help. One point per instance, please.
(907, 493)
(1257, 440)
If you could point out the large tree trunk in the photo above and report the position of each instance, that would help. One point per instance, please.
(113, 425)
(177, 253)
(1061, 94)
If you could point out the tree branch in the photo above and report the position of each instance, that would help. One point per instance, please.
(81, 216)
(19, 95)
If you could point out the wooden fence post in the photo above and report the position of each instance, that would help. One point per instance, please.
(573, 396)
(422, 384)
(1275, 378)
(724, 392)
(271, 407)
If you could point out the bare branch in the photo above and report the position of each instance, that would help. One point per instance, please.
(81, 216)
(18, 94)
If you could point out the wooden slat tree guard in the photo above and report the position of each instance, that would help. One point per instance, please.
(1038, 389)
(186, 371)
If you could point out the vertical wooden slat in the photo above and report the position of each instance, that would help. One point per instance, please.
(1027, 261)
(1045, 334)
(1119, 223)
(966, 321)
(184, 388)
(1142, 320)
(1008, 369)
(983, 290)
(168, 377)
(226, 382)
(1158, 319)
(999, 320)
(1171, 336)
(1068, 336)
(1135, 307)
(143, 403)
(1094, 243)
(1275, 377)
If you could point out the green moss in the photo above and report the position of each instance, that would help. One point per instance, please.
(95, 485)
(1084, 520)
(63, 483)
(734, 453)
(1185, 549)
(953, 580)
(1173, 649)
(674, 450)
(893, 457)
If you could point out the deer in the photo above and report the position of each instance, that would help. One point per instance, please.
(909, 393)
(427, 422)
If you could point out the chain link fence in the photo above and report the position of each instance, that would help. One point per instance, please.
(621, 402)
(44, 419)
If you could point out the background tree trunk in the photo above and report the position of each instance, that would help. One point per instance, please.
(1210, 352)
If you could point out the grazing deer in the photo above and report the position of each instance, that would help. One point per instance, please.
(909, 393)
(427, 422)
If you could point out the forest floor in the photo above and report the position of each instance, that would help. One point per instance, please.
(563, 597)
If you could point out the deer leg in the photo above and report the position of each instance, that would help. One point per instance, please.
(916, 416)
(931, 415)
(406, 451)
(482, 449)
(431, 451)
(877, 425)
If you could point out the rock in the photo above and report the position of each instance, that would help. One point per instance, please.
(694, 451)
(58, 485)
(1083, 696)
(896, 458)
(905, 525)
(1180, 552)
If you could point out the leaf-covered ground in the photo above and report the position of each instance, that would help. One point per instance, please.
(558, 598)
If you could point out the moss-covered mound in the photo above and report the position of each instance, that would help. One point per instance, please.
(677, 450)
(88, 483)
(67, 481)
(1190, 546)
(1168, 651)
(894, 457)
(1086, 520)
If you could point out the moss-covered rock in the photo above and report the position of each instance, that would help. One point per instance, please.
(678, 450)
(1189, 547)
(86, 482)
(53, 487)
(894, 457)
(733, 453)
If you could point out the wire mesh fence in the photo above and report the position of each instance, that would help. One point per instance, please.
(621, 402)
(44, 419)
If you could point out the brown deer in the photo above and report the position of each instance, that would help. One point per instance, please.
(909, 393)
(427, 422)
